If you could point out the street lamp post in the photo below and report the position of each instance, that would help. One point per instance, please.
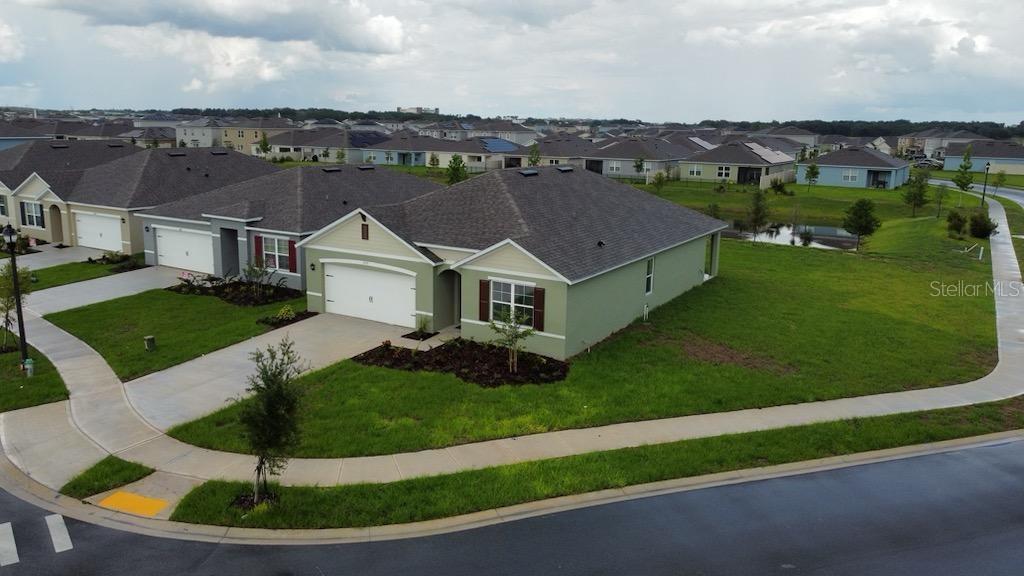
(10, 236)
(984, 188)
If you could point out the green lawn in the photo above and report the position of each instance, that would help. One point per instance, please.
(107, 474)
(819, 205)
(73, 272)
(185, 327)
(18, 391)
(438, 175)
(1012, 180)
(780, 325)
(449, 495)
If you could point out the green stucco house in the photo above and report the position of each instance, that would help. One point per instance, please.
(572, 253)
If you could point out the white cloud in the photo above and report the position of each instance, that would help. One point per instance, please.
(193, 85)
(11, 47)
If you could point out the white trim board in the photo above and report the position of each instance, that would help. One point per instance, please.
(544, 334)
(334, 250)
(348, 262)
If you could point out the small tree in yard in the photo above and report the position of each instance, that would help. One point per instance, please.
(182, 144)
(916, 193)
(861, 220)
(659, 181)
(510, 334)
(339, 156)
(638, 165)
(270, 417)
(811, 174)
(757, 216)
(533, 159)
(434, 161)
(264, 144)
(940, 194)
(998, 181)
(8, 303)
(963, 178)
(955, 223)
(457, 170)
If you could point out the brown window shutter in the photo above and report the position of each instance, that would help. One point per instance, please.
(292, 260)
(257, 256)
(538, 309)
(485, 300)
(366, 231)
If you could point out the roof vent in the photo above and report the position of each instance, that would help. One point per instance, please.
(600, 243)
(529, 172)
(58, 145)
(331, 169)
(188, 168)
(564, 169)
(344, 202)
(115, 145)
(366, 167)
(219, 152)
(177, 153)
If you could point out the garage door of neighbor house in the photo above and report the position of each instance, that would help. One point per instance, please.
(185, 249)
(98, 231)
(379, 295)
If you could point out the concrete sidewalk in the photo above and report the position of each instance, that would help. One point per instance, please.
(99, 408)
(89, 292)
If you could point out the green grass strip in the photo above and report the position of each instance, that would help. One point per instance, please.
(461, 493)
(107, 474)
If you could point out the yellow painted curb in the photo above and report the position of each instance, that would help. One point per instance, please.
(134, 504)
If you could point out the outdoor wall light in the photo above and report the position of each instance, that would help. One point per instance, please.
(312, 266)
(147, 227)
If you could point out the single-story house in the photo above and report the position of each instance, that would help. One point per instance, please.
(575, 255)
(221, 231)
(319, 144)
(466, 129)
(804, 137)
(554, 149)
(152, 137)
(617, 157)
(12, 135)
(407, 148)
(933, 142)
(739, 161)
(1001, 154)
(857, 167)
(36, 177)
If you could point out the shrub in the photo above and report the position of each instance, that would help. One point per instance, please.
(721, 188)
(778, 187)
(714, 211)
(981, 225)
(955, 222)
(285, 314)
(114, 257)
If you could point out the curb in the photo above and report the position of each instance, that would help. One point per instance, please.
(25, 488)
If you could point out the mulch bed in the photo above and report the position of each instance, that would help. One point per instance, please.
(482, 364)
(275, 323)
(420, 335)
(245, 501)
(238, 293)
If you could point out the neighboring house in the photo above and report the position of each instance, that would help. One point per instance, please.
(933, 142)
(857, 167)
(778, 143)
(240, 134)
(160, 120)
(573, 254)
(156, 137)
(368, 126)
(37, 177)
(617, 157)
(12, 135)
(833, 142)
(98, 131)
(408, 149)
(200, 133)
(556, 149)
(1001, 154)
(741, 161)
(261, 220)
(805, 137)
(319, 144)
(886, 144)
(466, 129)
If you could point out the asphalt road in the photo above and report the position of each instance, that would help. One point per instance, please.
(955, 513)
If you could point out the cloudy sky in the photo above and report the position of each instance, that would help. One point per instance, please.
(652, 59)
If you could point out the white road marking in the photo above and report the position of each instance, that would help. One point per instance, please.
(8, 549)
(59, 533)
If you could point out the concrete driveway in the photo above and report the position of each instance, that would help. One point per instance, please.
(88, 292)
(201, 386)
(50, 255)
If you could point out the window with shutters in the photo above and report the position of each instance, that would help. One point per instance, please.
(511, 300)
(33, 214)
(275, 253)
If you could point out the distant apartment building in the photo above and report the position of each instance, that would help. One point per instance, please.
(238, 134)
(417, 110)
(466, 129)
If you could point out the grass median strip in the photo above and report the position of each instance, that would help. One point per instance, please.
(17, 390)
(74, 272)
(465, 492)
(107, 474)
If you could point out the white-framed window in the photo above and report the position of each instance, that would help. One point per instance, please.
(649, 277)
(512, 300)
(275, 253)
(3, 205)
(696, 170)
(389, 157)
(614, 166)
(724, 171)
(849, 175)
(475, 158)
(241, 133)
(33, 214)
(554, 162)
(195, 143)
(284, 149)
(370, 157)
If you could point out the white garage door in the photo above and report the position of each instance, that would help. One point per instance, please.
(185, 249)
(98, 231)
(378, 295)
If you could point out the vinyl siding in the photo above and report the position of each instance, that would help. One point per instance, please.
(512, 259)
(348, 236)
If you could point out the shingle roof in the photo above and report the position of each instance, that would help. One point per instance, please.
(147, 134)
(558, 215)
(101, 129)
(9, 130)
(860, 157)
(987, 149)
(743, 152)
(50, 158)
(632, 148)
(160, 175)
(562, 145)
(406, 140)
(788, 131)
(302, 199)
(326, 138)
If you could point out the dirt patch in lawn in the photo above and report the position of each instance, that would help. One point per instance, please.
(482, 364)
(705, 350)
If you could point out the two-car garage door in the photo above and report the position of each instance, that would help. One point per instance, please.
(185, 249)
(373, 294)
(98, 231)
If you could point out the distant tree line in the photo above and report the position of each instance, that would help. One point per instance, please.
(315, 113)
(875, 127)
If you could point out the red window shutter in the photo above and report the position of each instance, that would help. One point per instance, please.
(538, 309)
(292, 261)
(485, 300)
(257, 249)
